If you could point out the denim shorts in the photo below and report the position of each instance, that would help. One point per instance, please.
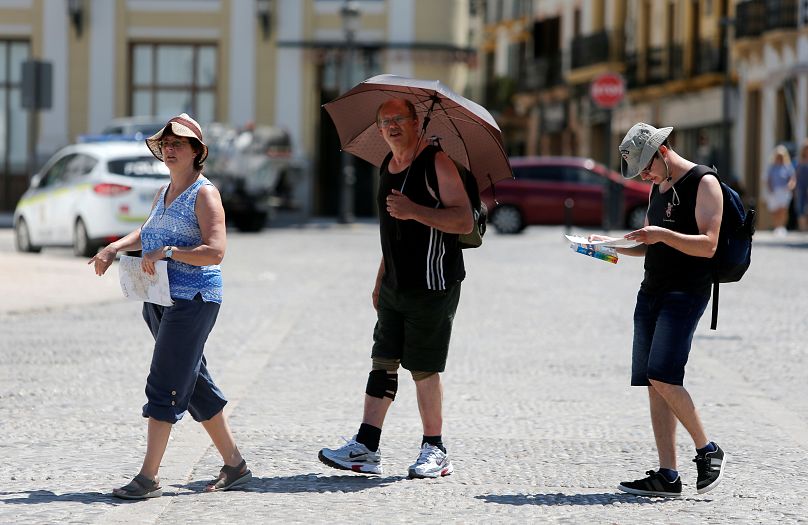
(663, 332)
(414, 326)
(179, 379)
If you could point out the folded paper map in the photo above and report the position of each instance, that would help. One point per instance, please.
(137, 285)
(615, 243)
(603, 250)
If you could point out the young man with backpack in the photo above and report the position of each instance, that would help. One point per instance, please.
(679, 239)
(416, 292)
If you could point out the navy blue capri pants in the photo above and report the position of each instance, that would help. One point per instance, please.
(179, 379)
(663, 333)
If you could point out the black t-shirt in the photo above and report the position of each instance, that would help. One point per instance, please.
(416, 256)
(668, 269)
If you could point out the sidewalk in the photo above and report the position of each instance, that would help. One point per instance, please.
(539, 420)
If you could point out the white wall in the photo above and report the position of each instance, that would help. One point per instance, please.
(289, 72)
(53, 122)
(241, 101)
(400, 29)
(102, 87)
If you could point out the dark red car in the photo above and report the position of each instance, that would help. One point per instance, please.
(542, 184)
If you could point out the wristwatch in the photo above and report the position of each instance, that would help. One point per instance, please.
(168, 251)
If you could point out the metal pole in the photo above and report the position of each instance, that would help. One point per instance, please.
(346, 203)
(725, 171)
(33, 132)
(608, 189)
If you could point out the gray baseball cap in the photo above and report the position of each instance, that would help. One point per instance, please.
(638, 147)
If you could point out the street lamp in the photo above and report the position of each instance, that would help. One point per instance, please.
(350, 15)
(75, 10)
(263, 9)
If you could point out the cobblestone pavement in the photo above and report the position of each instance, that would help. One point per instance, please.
(539, 420)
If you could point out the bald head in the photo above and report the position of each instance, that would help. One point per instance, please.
(401, 104)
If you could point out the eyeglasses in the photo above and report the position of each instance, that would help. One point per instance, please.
(173, 144)
(385, 122)
(650, 164)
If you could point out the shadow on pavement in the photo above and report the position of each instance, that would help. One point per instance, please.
(797, 244)
(604, 498)
(38, 497)
(308, 483)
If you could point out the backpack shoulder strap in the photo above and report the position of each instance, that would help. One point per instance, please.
(429, 171)
(700, 171)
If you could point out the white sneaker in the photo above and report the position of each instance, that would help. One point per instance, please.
(432, 462)
(353, 456)
(780, 231)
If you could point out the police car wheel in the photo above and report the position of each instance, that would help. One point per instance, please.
(22, 238)
(82, 246)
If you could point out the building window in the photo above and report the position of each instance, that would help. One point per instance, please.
(168, 79)
(13, 120)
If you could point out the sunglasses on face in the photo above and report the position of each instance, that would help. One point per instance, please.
(385, 122)
(650, 164)
(173, 144)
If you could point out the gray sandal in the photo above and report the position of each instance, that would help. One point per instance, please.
(230, 477)
(140, 487)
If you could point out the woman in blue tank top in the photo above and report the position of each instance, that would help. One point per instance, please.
(186, 227)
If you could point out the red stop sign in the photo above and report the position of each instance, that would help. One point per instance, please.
(607, 90)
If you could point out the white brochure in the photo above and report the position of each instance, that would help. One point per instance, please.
(137, 285)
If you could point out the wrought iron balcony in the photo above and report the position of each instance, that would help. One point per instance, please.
(596, 48)
(782, 14)
(541, 73)
(654, 66)
(676, 58)
(631, 73)
(707, 58)
(657, 70)
(754, 17)
(750, 18)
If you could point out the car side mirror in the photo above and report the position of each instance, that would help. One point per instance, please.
(36, 180)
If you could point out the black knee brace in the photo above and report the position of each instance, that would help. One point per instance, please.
(382, 384)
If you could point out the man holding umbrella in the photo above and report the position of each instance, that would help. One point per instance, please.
(423, 206)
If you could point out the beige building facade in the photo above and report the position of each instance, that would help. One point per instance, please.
(731, 77)
(771, 59)
(270, 62)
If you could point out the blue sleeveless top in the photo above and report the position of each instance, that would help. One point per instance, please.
(178, 226)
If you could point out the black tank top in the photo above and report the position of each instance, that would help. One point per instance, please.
(668, 269)
(416, 256)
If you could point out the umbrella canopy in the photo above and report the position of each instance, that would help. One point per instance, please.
(466, 131)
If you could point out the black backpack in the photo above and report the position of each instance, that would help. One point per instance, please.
(479, 210)
(733, 255)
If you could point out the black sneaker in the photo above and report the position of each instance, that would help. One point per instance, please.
(711, 469)
(654, 485)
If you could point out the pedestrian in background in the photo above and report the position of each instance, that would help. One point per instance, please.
(679, 238)
(780, 181)
(186, 227)
(801, 188)
(416, 293)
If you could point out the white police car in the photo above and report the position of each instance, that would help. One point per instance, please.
(88, 195)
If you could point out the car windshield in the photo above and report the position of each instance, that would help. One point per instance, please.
(147, 130)
(142, 166)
